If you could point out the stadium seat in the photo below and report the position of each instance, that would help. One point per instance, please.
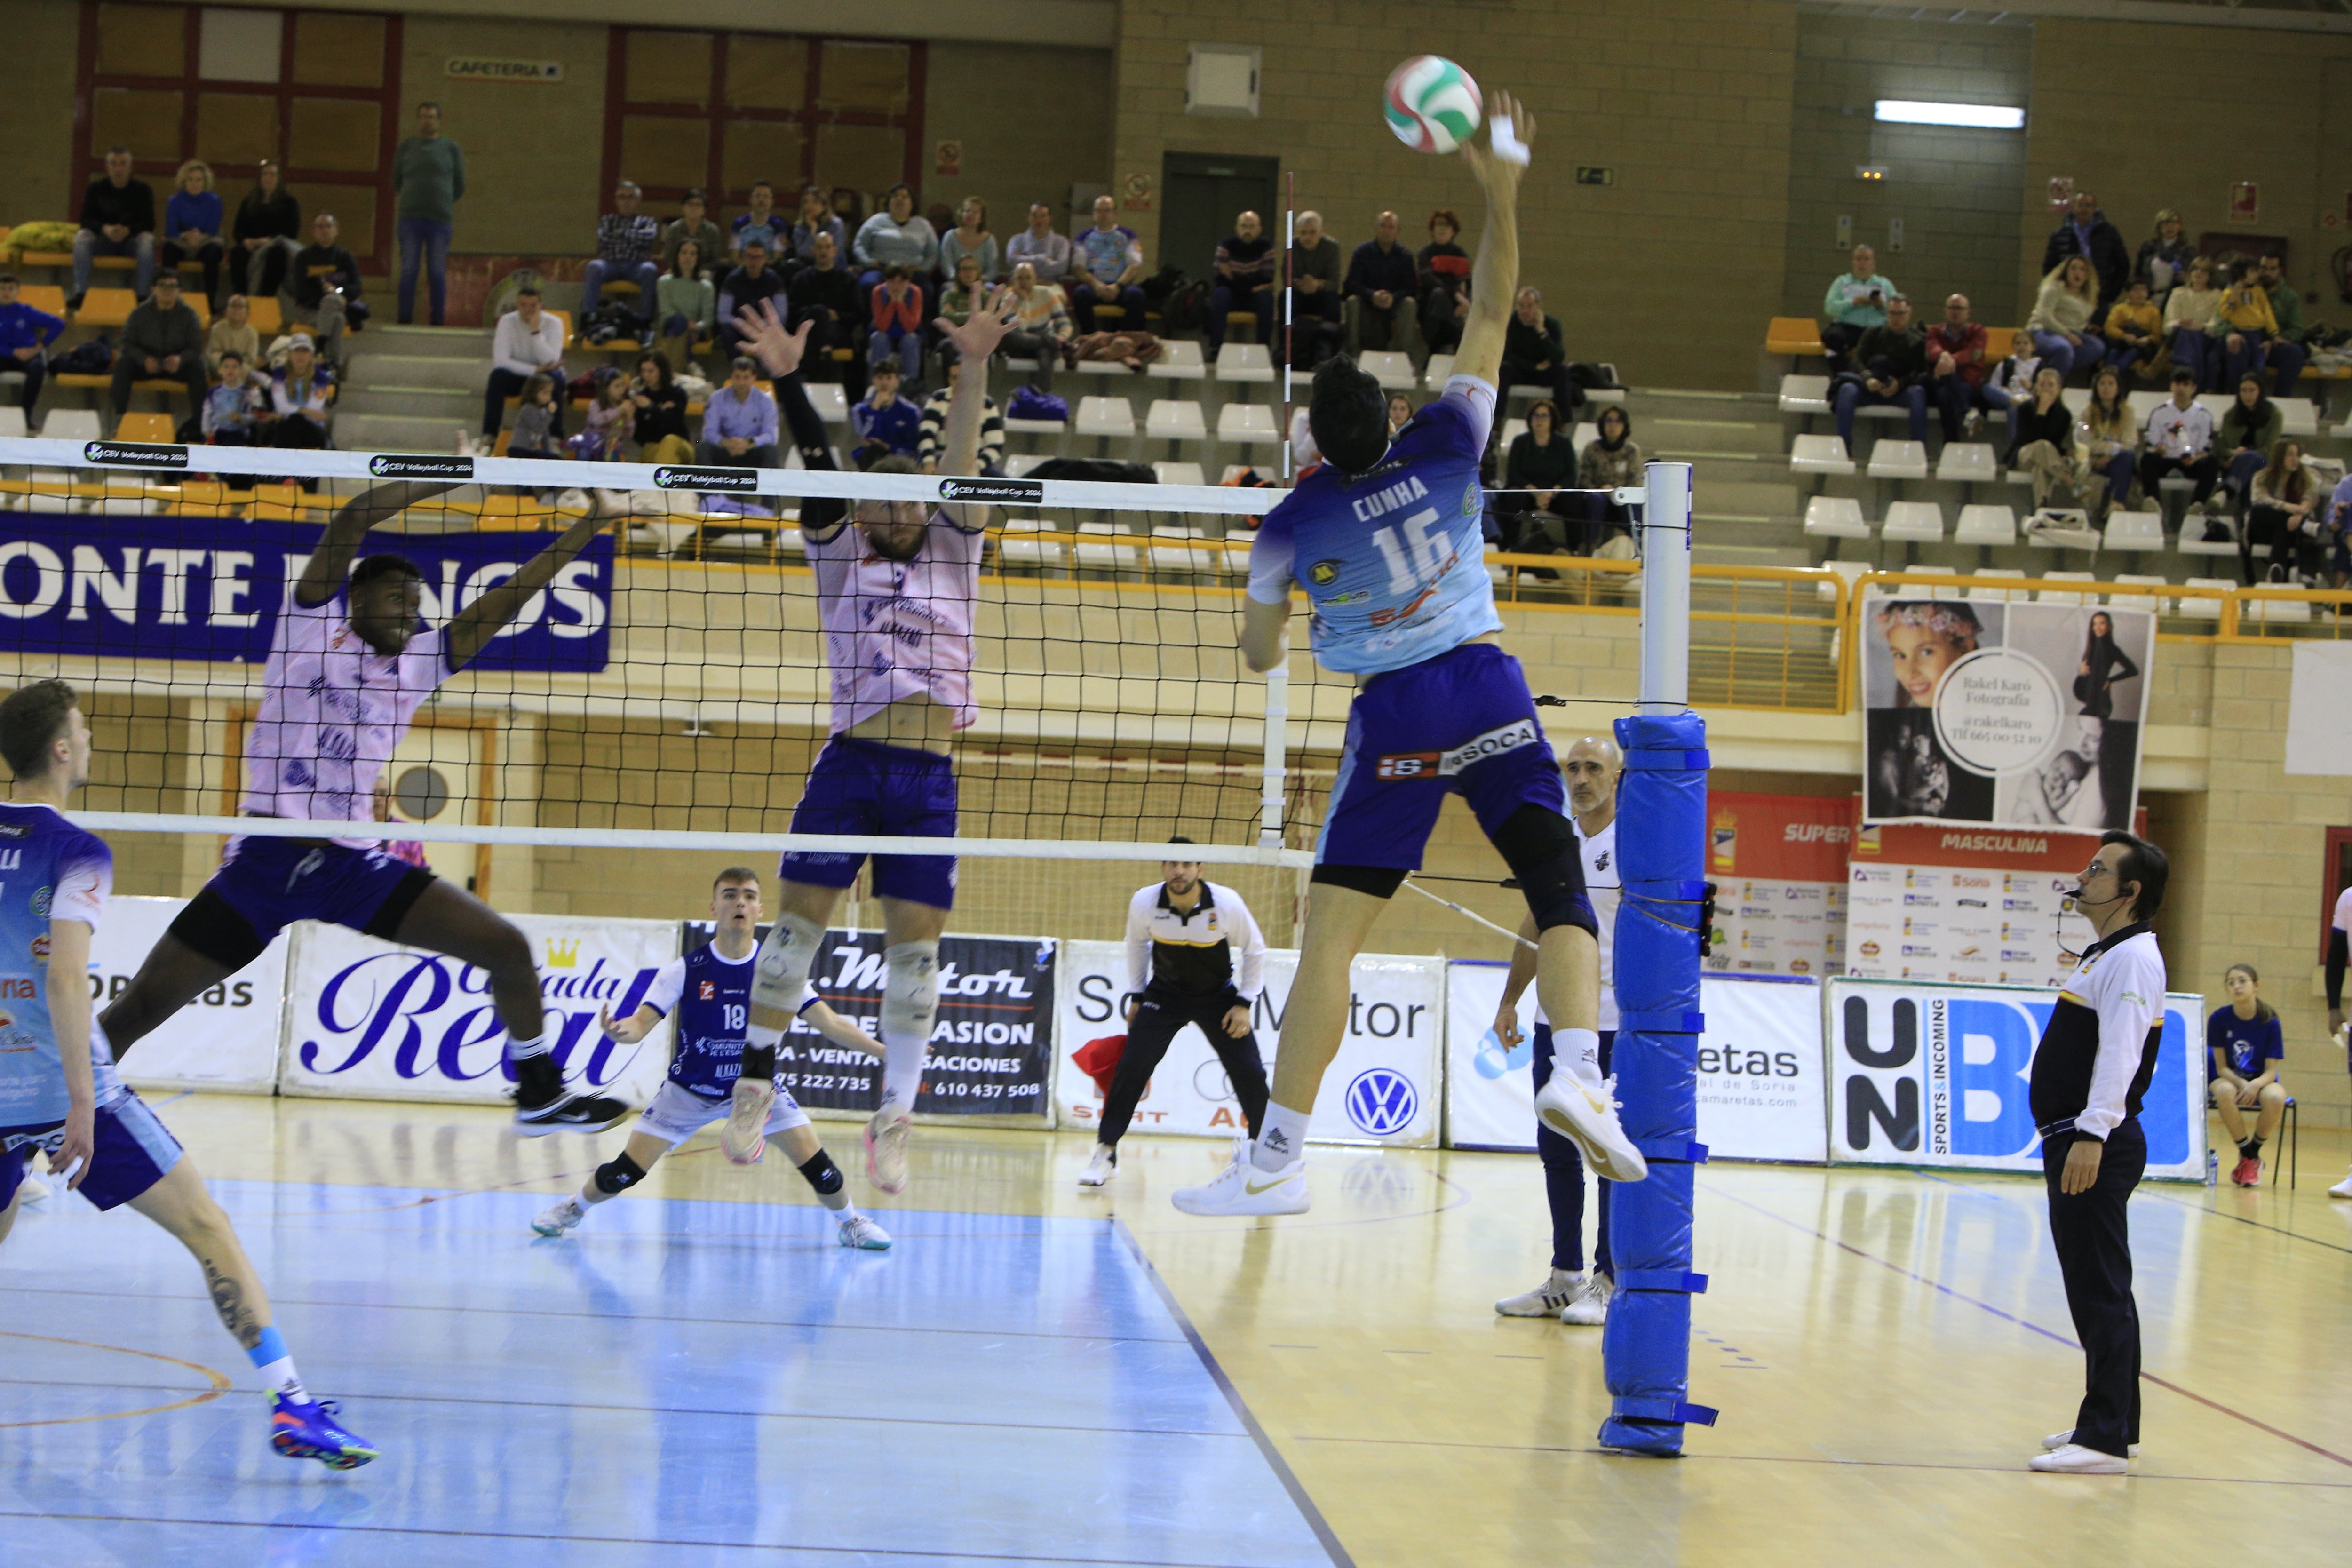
(1999, 342)
(1105, 417)
(1173, 419)
(2297, 417)
(154, 428)
(1797, 335)
(1819, 455)
(2275, 611)
(1898, 460)
(1247, 364)
(12, 423)
(2161, 604)
(1104, 549)
(1178, 473)
(49, 297)
(1248, 424)
(2068, 595)
(2134, 532)
(1586, 433)
(2192, 540)
(1512, 430)
(831, 402)
(1834, 517)
(1804, 394)
(264, 316)
(2205, 609)
(1988, 525)
(72, 424)
(106, 308)
(2071, 531)
(2076, 399)
(1184, 558)
(1436, 372)
(1967, 462)
(1016, 463)
(2000, 575)
(1394, 371)
(2144, 404)
(1180, 359)
(1913, 523)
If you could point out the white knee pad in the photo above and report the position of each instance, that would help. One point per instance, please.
(910, 990)
(785, 959)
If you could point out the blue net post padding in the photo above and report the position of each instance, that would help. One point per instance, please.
(1662, 848)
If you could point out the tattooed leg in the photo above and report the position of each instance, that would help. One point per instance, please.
(179, 1204)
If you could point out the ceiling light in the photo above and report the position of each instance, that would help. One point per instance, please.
(1979, 116)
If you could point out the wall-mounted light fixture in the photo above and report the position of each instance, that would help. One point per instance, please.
(1976, 116)
(1873, 172)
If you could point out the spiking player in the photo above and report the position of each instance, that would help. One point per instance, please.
(348, 670)
(896, 591)
(1384, 539)
(58, 1091)
(710, 991)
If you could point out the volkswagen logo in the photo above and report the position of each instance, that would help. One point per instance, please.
(1382, 1101)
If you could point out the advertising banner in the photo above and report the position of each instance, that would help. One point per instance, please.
(226, 1040)
(169, 588)
(1965, 906)
(1937, 1074)
(2017, 715)
(372, 1021)
(1760, 1067)
(1778, 862)
(1382, 1087)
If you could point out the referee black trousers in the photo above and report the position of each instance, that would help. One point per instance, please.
(1158, 1018)
(2094, 1242)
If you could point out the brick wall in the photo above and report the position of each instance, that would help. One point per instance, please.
(36, 112)
(1020, 144)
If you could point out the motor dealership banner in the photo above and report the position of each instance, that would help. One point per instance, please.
(210, 589)
(2017, 715)
(225, 1040)
(1937, 1074)
(1778, 862)
(1382, 1088)
(1760, 1067)
(1965, 906)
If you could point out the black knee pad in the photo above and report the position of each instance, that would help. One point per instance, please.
(822, 1174)
(1539, 847)
(1380, 882)
(619, 1175)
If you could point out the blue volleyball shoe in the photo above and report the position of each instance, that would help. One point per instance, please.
(305, 1429)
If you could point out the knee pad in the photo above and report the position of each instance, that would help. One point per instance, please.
(823, 1174)
(1540, 845)
(785, 959)
(618, 1176)
(910, 990)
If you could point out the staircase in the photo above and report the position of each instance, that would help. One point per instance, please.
(1749, 513)
(411, 389)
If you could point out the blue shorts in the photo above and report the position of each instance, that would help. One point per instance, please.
(134, 1150)
(265, 885)
(899, 792)
(1462, 723)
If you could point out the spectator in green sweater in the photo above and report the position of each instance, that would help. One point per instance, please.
(428, 175)
(162, 339)
(2284, 353)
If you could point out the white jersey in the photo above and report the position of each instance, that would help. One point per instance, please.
(2342, 921)
(1606, 888)
(895, 629)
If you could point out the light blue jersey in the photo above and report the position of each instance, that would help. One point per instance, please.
(49, 870)
(1392, 560)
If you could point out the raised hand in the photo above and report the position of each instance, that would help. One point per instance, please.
(764, 336)
(1489, 165)
(981, 331)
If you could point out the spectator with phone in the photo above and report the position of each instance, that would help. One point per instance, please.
(327, 287)
(1856, 301)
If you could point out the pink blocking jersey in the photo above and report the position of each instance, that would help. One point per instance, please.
(332, 711)
(895, 629)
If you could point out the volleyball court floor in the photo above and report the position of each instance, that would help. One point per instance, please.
(1034, 1374)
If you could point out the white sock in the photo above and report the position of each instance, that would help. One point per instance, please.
(1578, 1050)
(843, 1209)
(280, 1377)
(902, 1068)
(518, 1050)
(590, 1197)
(761, 1035)
(1281, 1137)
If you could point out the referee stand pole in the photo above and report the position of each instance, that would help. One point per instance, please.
(1646, 1348)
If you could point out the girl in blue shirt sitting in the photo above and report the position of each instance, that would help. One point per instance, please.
(2243, 1049)
(191, 225)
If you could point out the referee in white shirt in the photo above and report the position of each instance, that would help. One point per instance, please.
(2090, 1072)
(1194, 955)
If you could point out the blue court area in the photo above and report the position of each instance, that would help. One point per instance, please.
(683, 1382)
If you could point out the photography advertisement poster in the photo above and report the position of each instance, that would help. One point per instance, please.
(1965, 905)
(225, 1040)
(2005, 714)
(1778, 862)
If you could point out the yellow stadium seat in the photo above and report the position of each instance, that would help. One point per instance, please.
(106, 307)
(264, 316)
(1798, 336)
(157, 429)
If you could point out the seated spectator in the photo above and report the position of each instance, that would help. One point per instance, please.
(1315, 309)
(2085, 232)
(660, 404)
(2283, 529)
(1041, 327)
(897, 236)
(885, 419)
(1542, 463)
(931, 434)
(1442, 268)
(817, 217)
(1244, 269)
(2336, 534)
(612, 420)
(969, 237)
(2063, 313)
(268, 234)
(2178, 438)
(826, 292)
(965, 292)
(739, 422)
(747, 287)
(1958, 381)
(302, 403)
(1400, 414)
(2284, 352)
(117, 218)
(1048, 253)
(2249, 430)
(2164, 259)
(1610, 461)
(685, 307)
(2246, 324)
(1856, 301)
(327, 287)
(1890, 366)
(693, 223)
(1381, 278)
(231, 416)
(626, 243)
(25, 335)
(2041, 437)
(1533, 351)
(538, 421)
(528, 342)
(762, 223)
(2112, 435)
(2245, 1048)
(2134, 331)
(162, 338)
(233, 333)
(1105, 261)
(192, 224)
(2190, 312)
(896, 309)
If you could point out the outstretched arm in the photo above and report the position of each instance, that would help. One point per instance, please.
(1495, 279)
(764, 337)
(480, 621)
(841, 1031)
(974, 341)
(332, 562)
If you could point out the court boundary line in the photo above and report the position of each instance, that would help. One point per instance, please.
(2155, 1193)
(1324, 1533)
(220, 1382)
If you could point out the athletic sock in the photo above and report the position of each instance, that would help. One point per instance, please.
(275, 1364)
(1282, 1137)
(902, 1069)
(1578, 1050)
(2251, 1149)
(590, 1197)
(517, 1050)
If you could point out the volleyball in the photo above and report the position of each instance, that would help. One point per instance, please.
(1431, 104)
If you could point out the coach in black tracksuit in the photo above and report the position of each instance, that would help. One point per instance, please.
(2090, 1072)
(1194, 955)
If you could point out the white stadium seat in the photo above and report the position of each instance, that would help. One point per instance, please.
(1913, 522)
(1179, 473)
(1439, 369)
(2161, 605)
(1834, 517)
(1172, 419)
(1967, 462)
(1986, 525)
(1898, 460)
(1804, 395)
(1105, 416)
(2066, 596)
(832, 403)
(1819, 455)
(1394, 371)
(1244, 362)
(1249, 423)
(1180, 359)
(2134, 532)
(71, 425)
(2002, 574)
(2205, 609)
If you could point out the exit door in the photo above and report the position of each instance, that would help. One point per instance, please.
(1201, 196)
(435, 775)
